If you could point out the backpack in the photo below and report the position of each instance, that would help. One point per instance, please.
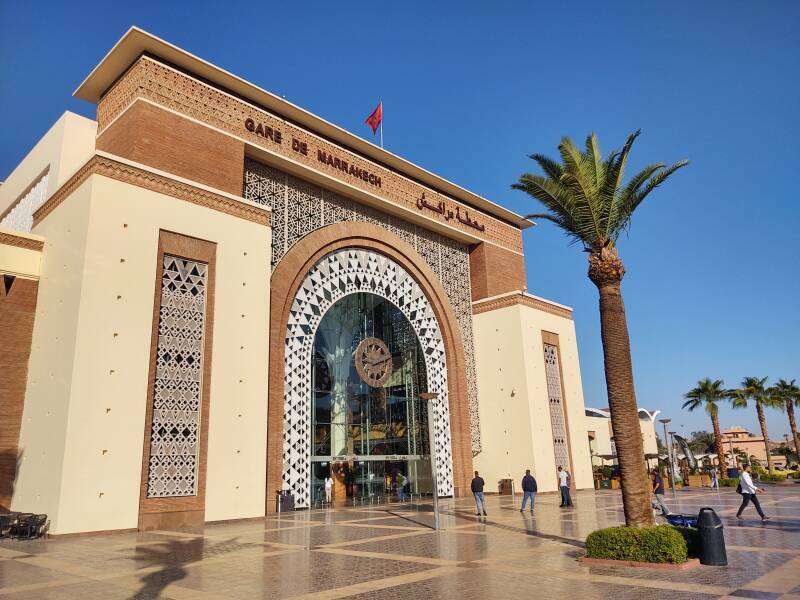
(739, 488)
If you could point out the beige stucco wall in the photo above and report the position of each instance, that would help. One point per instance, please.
(601, 426)
(649, 436)
(65, 147)
(48, 395)
(512, 391)
(111, 313)
(20, 262)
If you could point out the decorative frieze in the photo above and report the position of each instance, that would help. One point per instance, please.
(167, 87)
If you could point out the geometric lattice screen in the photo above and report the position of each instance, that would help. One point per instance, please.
(20, 217)
(553, 373)
(338, 274)
(175, 431)
(298, 208)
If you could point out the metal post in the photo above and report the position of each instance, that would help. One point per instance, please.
(674, 455)
(429, 399)
(669, 456)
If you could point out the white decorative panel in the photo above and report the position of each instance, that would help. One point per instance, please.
(343, 272)
(175, 432)
(299, 208)
(556, 401)
(20, 218)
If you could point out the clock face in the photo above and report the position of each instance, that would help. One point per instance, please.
(373, 362)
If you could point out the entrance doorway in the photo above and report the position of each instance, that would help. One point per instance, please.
(369, 426)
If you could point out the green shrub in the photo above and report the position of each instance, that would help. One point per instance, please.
(729, 482)
(692, 538)
(775, 477)
(659, 544)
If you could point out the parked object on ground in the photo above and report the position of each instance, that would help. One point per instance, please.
(712, 538)
(284, 501)
(681, 520)
(23, 526)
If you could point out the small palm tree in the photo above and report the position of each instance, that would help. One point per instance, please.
(585, 195)
(708, 395)
(785, 395)
(752, 388)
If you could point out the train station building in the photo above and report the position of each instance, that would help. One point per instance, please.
(210, 294)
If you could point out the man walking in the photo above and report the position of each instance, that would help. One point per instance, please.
(529, 490)
(749, 491)
(477, 490)
(658, 491)
(563, 484)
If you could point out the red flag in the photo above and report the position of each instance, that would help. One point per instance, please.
(375, 118)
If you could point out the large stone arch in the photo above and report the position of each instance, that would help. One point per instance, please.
(286, 281)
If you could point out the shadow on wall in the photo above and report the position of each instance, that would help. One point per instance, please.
(10, 461)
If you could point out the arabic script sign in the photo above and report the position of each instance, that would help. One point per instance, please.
(441, 208)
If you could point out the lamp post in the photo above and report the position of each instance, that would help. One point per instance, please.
(674, 453)
(429, 398)
(669, 455)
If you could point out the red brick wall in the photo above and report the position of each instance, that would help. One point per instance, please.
(17, 311)
(163, 140)
(494, 271)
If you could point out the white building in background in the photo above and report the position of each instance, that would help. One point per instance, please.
(601, 437)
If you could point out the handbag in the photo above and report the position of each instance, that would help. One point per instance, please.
(739, 488)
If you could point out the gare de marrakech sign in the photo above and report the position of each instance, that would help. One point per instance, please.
(328, 158)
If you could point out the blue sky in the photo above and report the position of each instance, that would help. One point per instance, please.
(471, 88)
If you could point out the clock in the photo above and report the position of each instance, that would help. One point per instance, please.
(373, 362)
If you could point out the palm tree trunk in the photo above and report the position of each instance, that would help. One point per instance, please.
(718, 448)
(763, 422)
(793, 426)
(606, 271)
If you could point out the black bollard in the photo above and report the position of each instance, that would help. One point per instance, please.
(712, 540)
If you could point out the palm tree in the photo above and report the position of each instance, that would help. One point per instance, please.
(707, 395)
(752, 388)
(785, 395)
(584, 195)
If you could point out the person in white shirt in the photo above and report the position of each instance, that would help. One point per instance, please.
(749, 491)
(328, 488)
(563, 484)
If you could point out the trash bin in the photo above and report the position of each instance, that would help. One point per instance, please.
(284, 501)
(712, 540)
(733, 473)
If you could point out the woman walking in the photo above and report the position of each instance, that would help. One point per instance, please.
(748, 492)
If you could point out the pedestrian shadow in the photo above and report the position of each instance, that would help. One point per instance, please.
(173, 556)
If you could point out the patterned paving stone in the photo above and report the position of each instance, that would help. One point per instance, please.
(361, 552)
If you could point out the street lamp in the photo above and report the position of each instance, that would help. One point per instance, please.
(669, 455)
(429, 398)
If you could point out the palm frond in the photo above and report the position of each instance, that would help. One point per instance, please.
(551, 168)
(584, 193)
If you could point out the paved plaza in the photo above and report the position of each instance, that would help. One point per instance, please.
(390, 550)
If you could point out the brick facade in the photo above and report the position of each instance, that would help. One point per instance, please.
(17, 309)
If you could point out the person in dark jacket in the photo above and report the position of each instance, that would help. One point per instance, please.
(477, 490)
(529, 489)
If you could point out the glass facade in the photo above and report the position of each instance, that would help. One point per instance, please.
(370, 440)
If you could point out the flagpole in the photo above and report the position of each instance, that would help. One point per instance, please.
(381, 103)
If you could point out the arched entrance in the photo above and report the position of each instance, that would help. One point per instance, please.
(368, 426)
(335, 276)
(285, 441)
